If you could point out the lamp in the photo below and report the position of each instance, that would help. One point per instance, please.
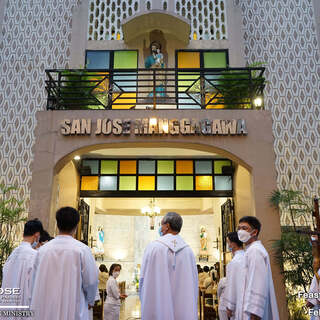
(151, 211)
(258, 102)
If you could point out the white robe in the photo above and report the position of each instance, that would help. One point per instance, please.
(314, 288)
(112, 304)
(169, 280)
(222, 303)
(18, 273)
(259, 298)
(234, 293)
(65, 282)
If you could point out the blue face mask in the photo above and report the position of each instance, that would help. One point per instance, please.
(228, 248)
(160, 232)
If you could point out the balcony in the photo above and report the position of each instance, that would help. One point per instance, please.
(171, 88)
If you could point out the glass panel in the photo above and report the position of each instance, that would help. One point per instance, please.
(128, 166)
(146, 183)
(108, 183)
(215, 59)
(127, 183)
(184, 167)
(125, 59)
(204, 167)
(165, 183)
(188, 59)
(89, 183)
(90, 166)
(165, 166)
(109, 166)
(203, 182)
(223, 183)
(97, 59)
(189, 90)
(219, 164)
(184, 183)
(147, 166)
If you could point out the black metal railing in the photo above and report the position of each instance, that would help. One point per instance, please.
(171, 88)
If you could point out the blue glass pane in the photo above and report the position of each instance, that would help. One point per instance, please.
(90, 167)
(223, 183)
(97, 59)
(204, 167)
(126, 82)
(165, 183)
(185, 102)
(147, 166)
(108, 183)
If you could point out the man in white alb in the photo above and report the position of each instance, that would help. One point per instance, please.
(169, 278)
(233, 296)
(18, 269)
(259, 296)
(66, 276)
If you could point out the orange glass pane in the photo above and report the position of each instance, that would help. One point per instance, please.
(184, 167)
(124, 100)
(188, 59)
(215, 102)
(89, 183)
(203, 183)
(146, 183)
(128, 166)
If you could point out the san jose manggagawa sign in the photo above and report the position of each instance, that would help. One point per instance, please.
(153, 126)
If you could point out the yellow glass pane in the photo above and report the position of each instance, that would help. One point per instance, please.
(89, 183)
(146, 183)
(203, 182)
(188, 59)
(215, 100)
(184, 167)
(129, 100)
(128, 166)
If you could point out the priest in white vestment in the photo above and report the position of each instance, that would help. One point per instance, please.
(169, 278)
(222, 309)
(18, 269)
(234, 293)
(66, 276)
(313, 302)
(259, 296)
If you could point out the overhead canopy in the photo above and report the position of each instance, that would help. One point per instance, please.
(161, 20)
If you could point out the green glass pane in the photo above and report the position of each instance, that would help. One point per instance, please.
(215, 59)
(125, 59)
(165, 183)
(184, 183)
(90, 167)
(219, 164)
(223, 183)
(204, 167)
(127, 183)
(109, 166)
(147, 166)
(108, 183)
(165, 166)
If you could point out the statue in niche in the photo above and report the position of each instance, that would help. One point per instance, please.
(100, 240)
(155, 59)
(203, 241)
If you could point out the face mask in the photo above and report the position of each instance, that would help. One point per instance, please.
(160, 232)
(244, 236)
(34, 244)
(116, 274)
(228, 248)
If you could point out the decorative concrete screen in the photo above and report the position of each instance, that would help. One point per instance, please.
(207, 17)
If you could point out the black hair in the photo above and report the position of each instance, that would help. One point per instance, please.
(114, 265)
(45, 236)
(206, 269)
(200, 270)
(253, 222)
(103, 268)
(213, 277)
(233, 237)
(31, 227)
(67, 218)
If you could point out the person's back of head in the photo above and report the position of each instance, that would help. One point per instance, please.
(103, 268)
(234, 239)
(32, 227)
(206, 269)
(200, 270)
(67, 220)
(173, 222)
(45, 236)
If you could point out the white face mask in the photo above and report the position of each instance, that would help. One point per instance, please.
(244, 236)
(116, 274)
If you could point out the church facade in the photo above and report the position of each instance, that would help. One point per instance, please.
(183, 99)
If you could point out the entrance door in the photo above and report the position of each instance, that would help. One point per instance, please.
(228, 225)
(83, 231)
